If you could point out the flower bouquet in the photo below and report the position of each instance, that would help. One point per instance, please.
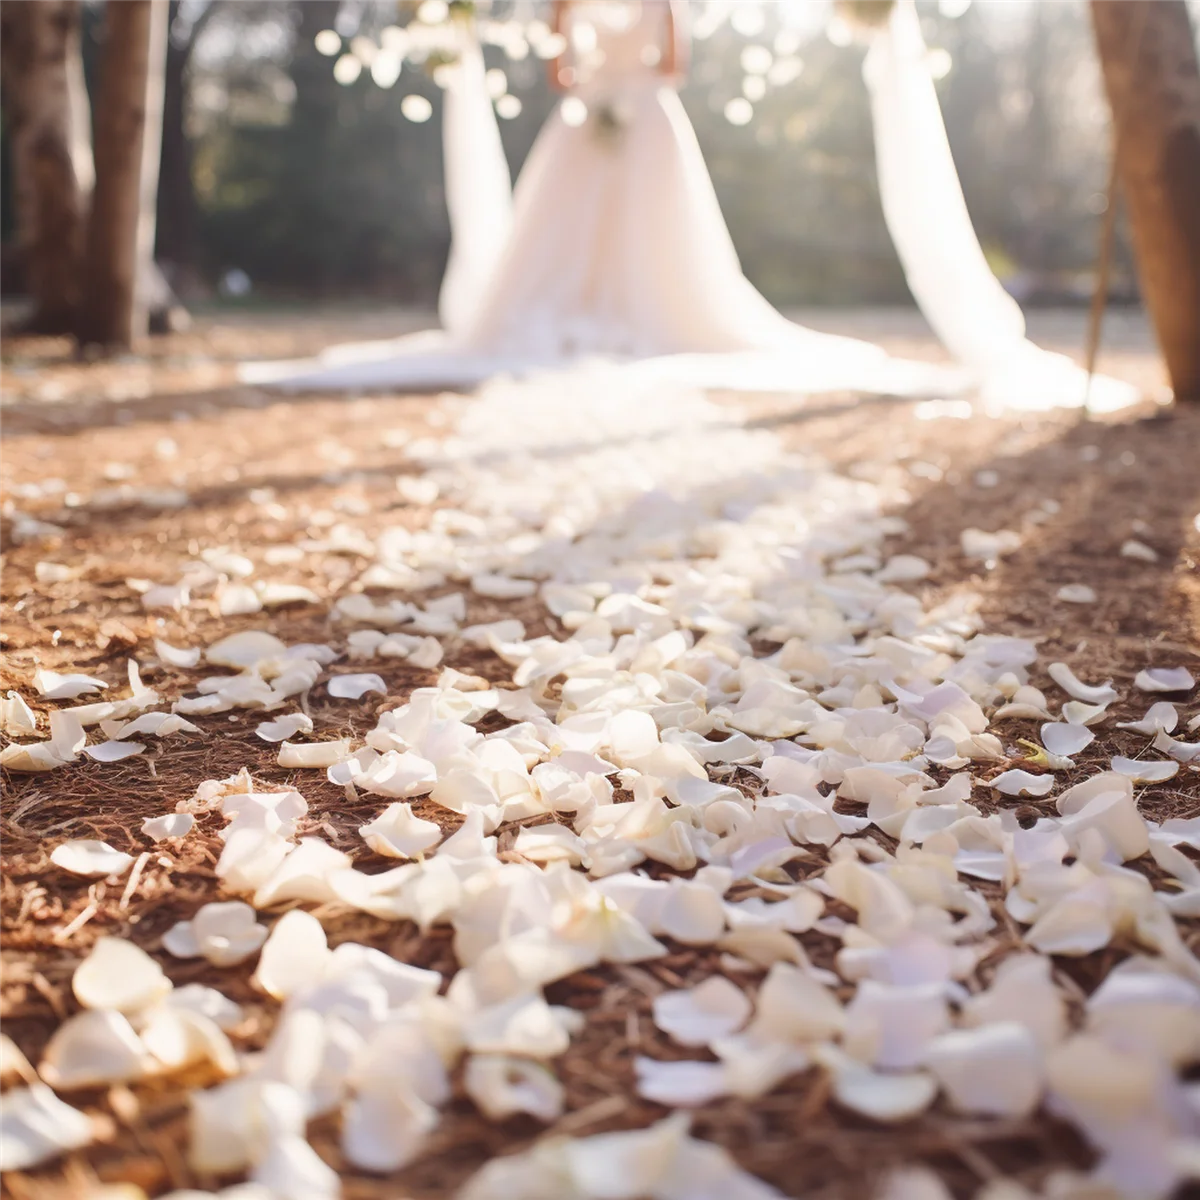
(608, 122)
(869, 13)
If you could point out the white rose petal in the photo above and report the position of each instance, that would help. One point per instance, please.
(1145, 771)
(232, 1125)
(1161, 717)
(1165, 679)
(501, 1085)
(83, 856)
(320, 755)
(285, 727)
(109, 752)
(1103, 693)
(384, 1126)
(696, 1016)
(994, 1070)
(1077, 593)
(175, 656)
(245, 650)
(294, 954)
(354, 687)
(52, 686)
(680, 1084)
(16, 717)
(1022, 783)
(181, 1037)
(396, 833)
(119, 975)
(226, 933)
(173, 825)
(36, 1127)
(92, 1049)
(884, 1098)
(1063, 738)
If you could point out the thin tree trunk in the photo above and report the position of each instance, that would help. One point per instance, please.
(1148, 55)
(109, 315)
(175, 239)
(38, 39)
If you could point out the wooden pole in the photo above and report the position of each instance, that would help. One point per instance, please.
(1153, 84)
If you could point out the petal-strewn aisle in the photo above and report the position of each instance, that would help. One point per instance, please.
(581, 790)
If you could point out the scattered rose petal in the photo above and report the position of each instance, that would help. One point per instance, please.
(1063, 738)
(312, 754)
(1135, 549)
(174, 656)
(224, 933)
(119, 975)
(285, 727)
(1145, 771)
(501, 1085)
(84, 856)
(246, 649)
(93, 1049)
(37, 1127)
(114, 751)
(353, 687)
(1077, 593)
(1165, 679)
(396, 833)
(16, 717)
(696, 1016)
(53, 686)
(172, 825)
(1022, 783)
(993, 1070)
(1103, 693)
(294, 954)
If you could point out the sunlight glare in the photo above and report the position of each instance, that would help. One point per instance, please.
(328, 42)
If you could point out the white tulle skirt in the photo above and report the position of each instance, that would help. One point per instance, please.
(617, 250)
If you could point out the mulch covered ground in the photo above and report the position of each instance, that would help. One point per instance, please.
(259, 469)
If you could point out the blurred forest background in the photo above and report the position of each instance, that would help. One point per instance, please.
(297, 166)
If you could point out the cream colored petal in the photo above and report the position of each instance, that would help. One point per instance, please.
(294, 954)
(37, 1127)
(695, 1016)
(84, 856)
(91, 1049)
(994, 1070)
(501, 1085)
(119, 975)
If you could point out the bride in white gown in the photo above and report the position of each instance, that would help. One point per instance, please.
(619, 245)
(617, 248)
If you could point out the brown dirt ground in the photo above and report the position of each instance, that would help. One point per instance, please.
(325, 461)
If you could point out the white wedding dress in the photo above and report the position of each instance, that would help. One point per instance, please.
(614, 246)
(616, 250)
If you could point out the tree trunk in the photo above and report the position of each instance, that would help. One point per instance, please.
(1148, 55)
(110, 315)
(175, 241)
(176, 220)
(38, 39)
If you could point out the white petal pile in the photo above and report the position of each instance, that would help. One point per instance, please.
(651, 780)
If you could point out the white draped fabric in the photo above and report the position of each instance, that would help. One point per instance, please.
(478, 186)
(947, 273)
